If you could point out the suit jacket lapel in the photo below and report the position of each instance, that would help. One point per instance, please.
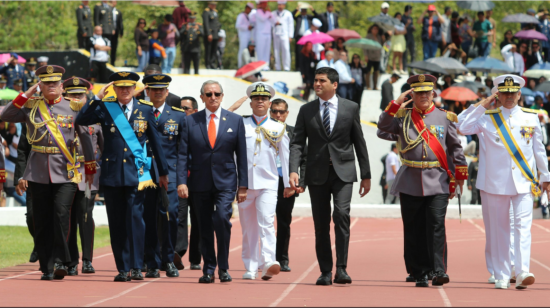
(339, 114)
(135, 112)
(318, 117)
(223, 126)
(202, 125)
(163, 116)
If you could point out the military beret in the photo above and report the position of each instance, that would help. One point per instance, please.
(50, 73)
(509, 83)
(157, 81)
(76, 85)
(124, 79)
(422, 83)
(260, 89)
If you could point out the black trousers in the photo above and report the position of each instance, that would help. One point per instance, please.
(297, 50)
(114, 46)
(188, 57)
(284, 219)
(100, 72)
(185, 242)
(82, 215)
(52, 214)
(210, 54)
(320, 207)
(82, 41)
(424, 233)
(29, 217)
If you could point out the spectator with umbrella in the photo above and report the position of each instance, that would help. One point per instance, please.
(431, 31)
(248, 57)
(303, 22)
(308, 62)
(373, 56)
(398, 44)
(482, 28)
(317, 47)
(528, 25)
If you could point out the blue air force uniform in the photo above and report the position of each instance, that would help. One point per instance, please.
(120, 174)
(160, 226)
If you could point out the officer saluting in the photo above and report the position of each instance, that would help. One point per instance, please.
(82, 212)
(212, 26)
(514, 155)
(127, 124)
(169, 123)
(53, 167)
(427, 135)
(191, 45)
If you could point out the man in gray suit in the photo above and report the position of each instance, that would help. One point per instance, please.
(387, 91)
(331, 128)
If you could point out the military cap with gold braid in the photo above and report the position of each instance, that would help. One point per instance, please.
(422, 83)
(50, 73)
(157, 81)
(32, 61)
(124, 79)
(509, 83)
(260, 89)
(76, 85)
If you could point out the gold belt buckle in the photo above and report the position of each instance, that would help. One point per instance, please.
(49, 150)
(424, 164)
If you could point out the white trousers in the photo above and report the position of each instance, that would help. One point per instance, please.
(499, 220)
(487, 223)
(281, 51)
(263, 48)
(244, 38)
(257, 215)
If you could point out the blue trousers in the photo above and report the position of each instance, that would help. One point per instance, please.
(345, 90)
(429, 49)
(143, 60)
(125, 215)
(483, 49)
(168, 63)
(158, 229)
(214, 211)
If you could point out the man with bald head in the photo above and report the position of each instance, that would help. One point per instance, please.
(99, 47)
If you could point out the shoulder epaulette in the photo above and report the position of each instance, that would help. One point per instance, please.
(178, 109)
(247, 116)
(530, 110)
(75, 104)
(31, 103)
(277, 121)
(402, 112)
(451, 116)
(142, 101)
(493, 111)
(109, 99)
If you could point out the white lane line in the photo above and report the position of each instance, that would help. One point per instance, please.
(541, 264)
(541, 227)
(477, 226)
(303, 276)
(443, 294)
(122, 293)
(297, 219)
(236, 248)
(105, 255)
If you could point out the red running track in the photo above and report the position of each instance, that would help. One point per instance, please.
(375, 265)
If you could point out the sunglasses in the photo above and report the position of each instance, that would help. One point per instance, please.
(185, 108)
(210, 94)
(278, 111)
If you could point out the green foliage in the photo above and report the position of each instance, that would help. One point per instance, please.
(51, 25)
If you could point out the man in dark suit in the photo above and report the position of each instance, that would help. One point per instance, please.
(172, 100)
(213, 149)
(103, 17)
(330, 19)
(212, 25)
(331, 129)
(119, 31)
(387, 91)
(303, 23)
(84, 22)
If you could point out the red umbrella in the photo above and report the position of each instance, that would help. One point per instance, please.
(346, 34)
(315, 38)
(250, 69)
(459, 94)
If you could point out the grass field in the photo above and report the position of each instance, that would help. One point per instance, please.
(16, 244)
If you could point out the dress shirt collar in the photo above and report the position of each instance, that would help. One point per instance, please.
(333, 100)
(52, 102)
(130, 105)
(160, 109)
(259, 119)
(217, 113)
(430, 109)
(510, 111)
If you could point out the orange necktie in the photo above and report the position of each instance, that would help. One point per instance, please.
(430, 28)
(212, 130)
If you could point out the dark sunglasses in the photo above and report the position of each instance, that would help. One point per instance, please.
(185, 108)
(210, 94)
(279, 111)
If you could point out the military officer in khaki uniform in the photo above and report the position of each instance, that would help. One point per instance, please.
(52, 171)
(427, 139)
(82, 212)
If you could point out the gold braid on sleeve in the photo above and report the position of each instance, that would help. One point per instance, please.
(271, 138)
(411, 144)
(32, 139)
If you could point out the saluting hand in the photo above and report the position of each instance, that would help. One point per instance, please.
(30, 92)
(101, 93)
(487, 101)
(183, 192)
(401, 99)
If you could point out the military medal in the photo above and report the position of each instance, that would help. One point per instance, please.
(527, 133)
(112, 129)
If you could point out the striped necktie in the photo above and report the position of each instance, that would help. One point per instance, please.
(326, 118)
(157, 114)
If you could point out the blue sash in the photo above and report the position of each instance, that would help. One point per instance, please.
(143, 163)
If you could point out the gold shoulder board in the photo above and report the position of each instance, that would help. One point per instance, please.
(109, 99)
(145, 102)
(493, 111)
(76, 105)
(530, 110)
(31, 103)
(178, 109)
(451, 116)
(402, 112)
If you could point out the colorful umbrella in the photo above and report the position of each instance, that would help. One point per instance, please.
(8, 94)
(521, 18)
(527, 92)
(6, 56)
(363, 43)
(531, 35)
(250, 69)
(476, 5)
(316, 38)
(458, 94)
(346, 34)
(489, 65)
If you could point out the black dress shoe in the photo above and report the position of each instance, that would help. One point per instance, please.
(60, 271)
(177, 261)
(72, 270)
(34, 257)
(122, 277)
(440, 279)
(342, 276)
(431, 275)
(152, 273)
(325, 279)
(207, 279)
(171, 270)
(224, 276)
(410, 278)
(144, 268)
(87, 267)
(47, 276)
(195, 267)
(284, 266)
(135, 274)
(422, 282)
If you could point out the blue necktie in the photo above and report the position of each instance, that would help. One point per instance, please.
(330, 22)
(125, 110)
(326, 118)
(306, 25)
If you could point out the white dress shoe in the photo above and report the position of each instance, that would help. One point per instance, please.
(502, 284)
(491, 279)
(271, 269)
(524, 279)
(249, 275)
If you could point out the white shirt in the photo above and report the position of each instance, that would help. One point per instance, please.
(242, 23)
(264, 22)
(445, 28)
(333, 109)
(99, 55)
(304, 26)
(513, 59)
(129, 106)
(344, 71)
(392, 160)
(325, 63)
(217, 114)
(115, 13)
(262, 158)
(286, 27)
(160, 109)
(221, 34)
(317, 48)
